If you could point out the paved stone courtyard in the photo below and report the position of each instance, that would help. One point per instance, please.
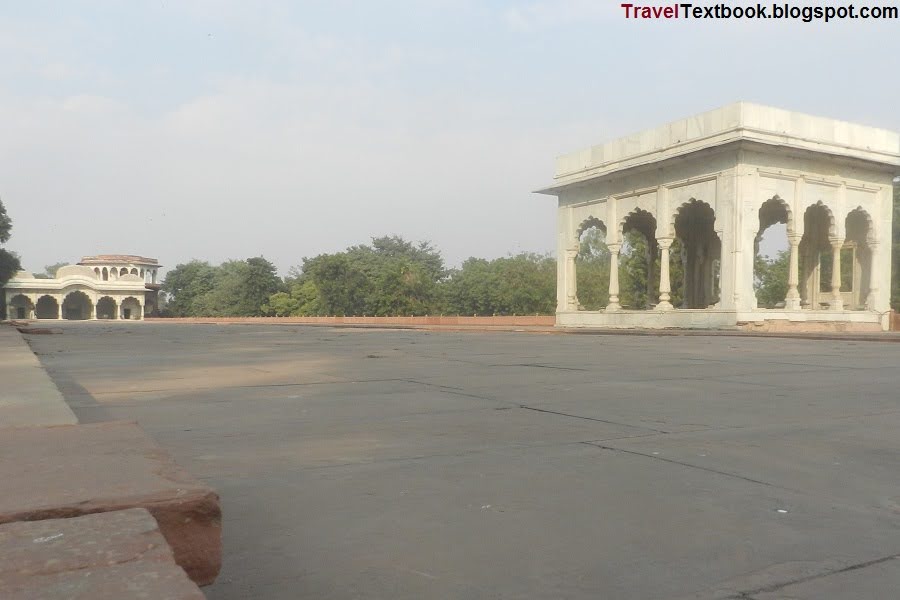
(363, 463)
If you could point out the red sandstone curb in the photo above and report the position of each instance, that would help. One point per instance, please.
(67, 471)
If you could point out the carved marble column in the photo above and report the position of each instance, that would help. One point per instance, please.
(571, 283)
(873, 280)
(613, 303)
(792, 300)
(665, 285)
(836, 302)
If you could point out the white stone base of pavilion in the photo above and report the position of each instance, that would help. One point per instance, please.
(711, 318)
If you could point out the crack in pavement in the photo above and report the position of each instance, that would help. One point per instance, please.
(449, 389)
(774, 587)
(562, 414)
(540, 366)
(685, 464)
(460, 454)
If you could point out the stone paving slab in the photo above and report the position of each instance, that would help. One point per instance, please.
(68, 471)
(27, 397)
(119, 582)
(119, 554)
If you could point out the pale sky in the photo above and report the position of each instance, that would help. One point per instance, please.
(229, 129)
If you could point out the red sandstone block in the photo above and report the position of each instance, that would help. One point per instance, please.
(68, 471)
(119, 554)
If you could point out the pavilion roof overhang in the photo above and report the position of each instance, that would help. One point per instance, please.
(736, 124)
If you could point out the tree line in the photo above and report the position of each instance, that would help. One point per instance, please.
(389, 277)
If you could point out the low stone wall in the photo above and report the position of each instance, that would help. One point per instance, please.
(436, 321)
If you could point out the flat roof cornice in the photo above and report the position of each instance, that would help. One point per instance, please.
(741, 121)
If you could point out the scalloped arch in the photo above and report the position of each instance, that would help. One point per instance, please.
(870, 223)
(589, 222)
(832, 227)
(692, 202)
(776, 199)
(636, 213)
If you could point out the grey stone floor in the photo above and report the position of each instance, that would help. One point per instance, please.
(357, 463)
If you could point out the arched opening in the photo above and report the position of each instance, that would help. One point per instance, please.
(639, 279)
(46, 308)
(131, 309)
(701, 252)
(142, 275)
(113, 273)
(106, 308)
(97, 271)
(815, 257)
(856, 261)
(771, 260)
(20, 307)
(77, 306)
(592, 272)
(105, 274)
(134, 271)
(123, 271)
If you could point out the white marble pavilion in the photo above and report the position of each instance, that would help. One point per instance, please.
(714, 182)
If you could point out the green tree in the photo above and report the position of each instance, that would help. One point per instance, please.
(261, 280)
(404, 288)
(592, 270)
(301, 299)
(471, 289)
(422, 254)
(771, 279)
(527, 284)
(186, 283)
(9, 261)
(389, 277)
(520, 284)
(634, 267)
(343, 287)
(240, 288)
(403, 277)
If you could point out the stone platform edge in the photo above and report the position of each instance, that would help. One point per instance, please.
(185, 511)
